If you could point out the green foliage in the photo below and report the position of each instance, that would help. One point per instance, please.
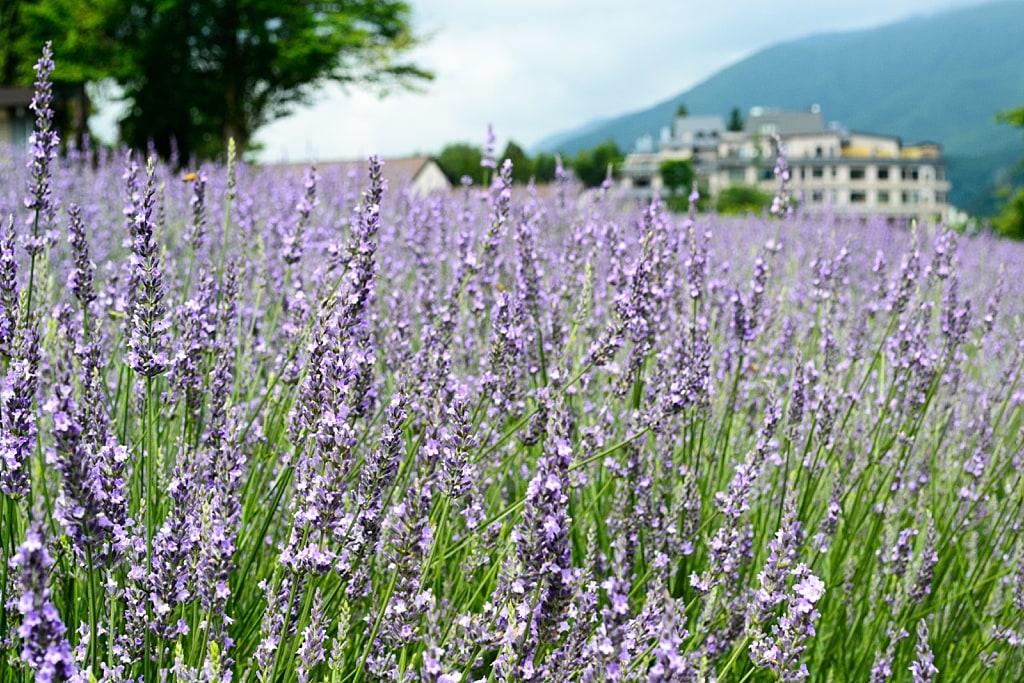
(735, 120)
(680, 203)
(676, 174)
(682, 111)
(522, 167)
(461, 159)
(1014, 117)
(1010, 222)
(592, 165)
(544, 166)
(198, 74)
(740, 199)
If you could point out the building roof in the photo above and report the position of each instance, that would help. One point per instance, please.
(699, 123)
(774, 121)
(399, 172)
(15, 97)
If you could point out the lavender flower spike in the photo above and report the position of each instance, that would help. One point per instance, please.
(18, 424)
(488, 160)
(782, 204)
(147, 345)
(43, 141)
(923, 669)
(45, 647)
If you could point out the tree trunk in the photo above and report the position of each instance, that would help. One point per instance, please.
(81, 105)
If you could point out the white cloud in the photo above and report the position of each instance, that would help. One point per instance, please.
(537, 67)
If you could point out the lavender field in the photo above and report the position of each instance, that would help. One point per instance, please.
(270, 426)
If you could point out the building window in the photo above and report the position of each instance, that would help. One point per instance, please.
(818, 152)
(910, 173)
(737, 175)
(883, 196)
(817, 172)
(911, 197)
(817, 196)
(883, 173)
(767, 173)
(856, 174)
(940, 197)
(642, 181)
(858, 197)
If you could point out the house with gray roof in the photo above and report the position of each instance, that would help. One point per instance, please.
(16, 119)
(831, 169)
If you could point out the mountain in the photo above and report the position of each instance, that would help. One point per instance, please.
(938, 78)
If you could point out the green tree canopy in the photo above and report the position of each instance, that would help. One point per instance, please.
(592, 165)
(544, 166)
(201, 72)
(735, 120)
(522, 167)
(1011, 221)
(740, 199)
(461, 159)
(676, 174)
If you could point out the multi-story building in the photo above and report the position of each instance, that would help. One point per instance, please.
(831, 169)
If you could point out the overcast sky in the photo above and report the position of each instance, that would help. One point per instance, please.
(533, 68)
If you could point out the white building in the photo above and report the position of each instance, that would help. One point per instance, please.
(831, 169)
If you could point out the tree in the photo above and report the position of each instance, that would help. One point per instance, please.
(544, 166)
(461, 159)
(1011, 221)
(198, 73)
(740, 199)
(522, 167)
(676, 174)
(84, 52)
(682, 111)
(735, 120)
(592, 165)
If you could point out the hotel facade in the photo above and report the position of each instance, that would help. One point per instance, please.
(832, 169)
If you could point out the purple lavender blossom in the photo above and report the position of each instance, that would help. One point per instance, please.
(196, 231)
(725, 546)
(91, 506)
(781, 652)
(18, 425)
(457, 444)
(80, 279)
(923, 668)
(782, 555)
(311, 649)
(376, 478)
(782, 204)
(173, 547)
(293, 240)
(539, 582)
(8, 288)
(43, 142)
(45, 646)
(147, 325)
(488, 156)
